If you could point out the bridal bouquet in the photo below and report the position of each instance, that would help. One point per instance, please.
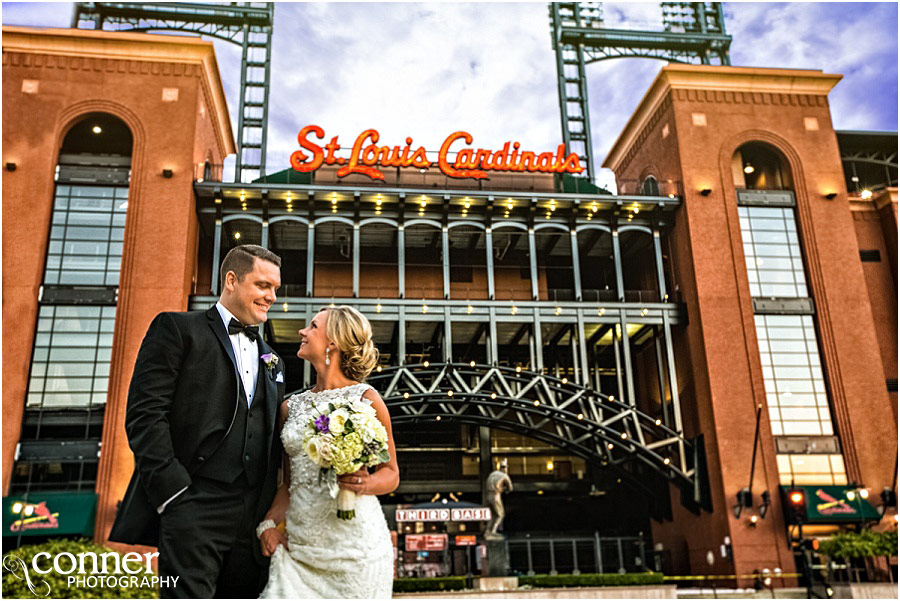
(341, 437)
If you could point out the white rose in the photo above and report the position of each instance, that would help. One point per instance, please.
(324, 447)
(337, 420)
(312, 449)
(362, 407)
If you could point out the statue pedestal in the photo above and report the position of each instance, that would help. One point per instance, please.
(508, 583)
(497, 558)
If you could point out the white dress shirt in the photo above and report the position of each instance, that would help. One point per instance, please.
(246, 352)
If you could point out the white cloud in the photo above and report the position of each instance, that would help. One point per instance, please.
(425, 70)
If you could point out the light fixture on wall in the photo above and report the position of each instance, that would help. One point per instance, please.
(167, 173)
(831, 195)
(705, 192)
(10, 166)
(766, 502)
(866, 194)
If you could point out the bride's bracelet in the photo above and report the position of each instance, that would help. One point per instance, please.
(263, 526)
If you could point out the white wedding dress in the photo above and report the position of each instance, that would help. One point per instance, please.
(327, 557)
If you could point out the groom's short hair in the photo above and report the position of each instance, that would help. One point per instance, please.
(240, 260)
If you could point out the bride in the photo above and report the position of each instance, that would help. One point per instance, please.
(322, 556)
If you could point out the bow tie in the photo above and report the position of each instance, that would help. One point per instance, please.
(236, 327)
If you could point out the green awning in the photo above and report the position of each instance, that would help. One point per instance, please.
(49, 514)
(285, 176)
(835, 504)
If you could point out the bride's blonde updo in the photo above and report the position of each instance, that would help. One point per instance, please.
(352, 333)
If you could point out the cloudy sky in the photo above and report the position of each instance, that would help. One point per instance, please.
(427, 69)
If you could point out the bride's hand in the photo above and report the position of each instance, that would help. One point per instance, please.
(357, 481)
(270, 540)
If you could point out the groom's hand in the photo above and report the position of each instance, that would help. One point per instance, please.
(270, 540)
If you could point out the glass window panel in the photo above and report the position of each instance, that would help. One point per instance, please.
(797, 400)
(799, 413)
(811, 463)
(67, 399)
(791, 372)
(77, 311)
(784, 463)
(798, 428)
(70, 369)
(770, 237)
(794, 359)
(68, 385)
(837, 463)
(776, 276)
(778, 290)
(75, 278)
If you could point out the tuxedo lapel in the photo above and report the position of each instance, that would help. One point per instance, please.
(267, 378)
(215, 322)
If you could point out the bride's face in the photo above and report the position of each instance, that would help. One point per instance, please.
(313, 340)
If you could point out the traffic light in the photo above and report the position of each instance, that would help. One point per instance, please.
(810, 544)
(795, 506)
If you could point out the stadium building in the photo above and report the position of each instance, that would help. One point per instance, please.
(659, 369)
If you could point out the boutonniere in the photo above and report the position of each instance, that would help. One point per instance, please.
(270, 359)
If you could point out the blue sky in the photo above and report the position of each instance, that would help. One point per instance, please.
(425, 70)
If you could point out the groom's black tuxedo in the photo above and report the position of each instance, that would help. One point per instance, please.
(188, 425)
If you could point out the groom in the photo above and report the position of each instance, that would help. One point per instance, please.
(201, 422)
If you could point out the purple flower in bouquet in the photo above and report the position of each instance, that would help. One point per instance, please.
(322, 424)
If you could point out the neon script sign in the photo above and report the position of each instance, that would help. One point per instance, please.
(366, 157)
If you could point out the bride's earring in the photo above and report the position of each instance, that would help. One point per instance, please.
(327, 360)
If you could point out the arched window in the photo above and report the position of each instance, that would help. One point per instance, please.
(759, 166)
(70, 361)
(650, 186)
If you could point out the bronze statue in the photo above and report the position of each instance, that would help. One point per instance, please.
(497, 482)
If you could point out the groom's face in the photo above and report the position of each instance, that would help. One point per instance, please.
(254, 294)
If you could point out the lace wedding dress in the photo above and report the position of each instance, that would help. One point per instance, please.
(327, 557)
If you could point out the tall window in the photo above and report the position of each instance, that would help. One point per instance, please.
(799, 412)
(63, 422)
(86, 236)
(772, 251)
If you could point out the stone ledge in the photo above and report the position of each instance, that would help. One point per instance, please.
(656, 591)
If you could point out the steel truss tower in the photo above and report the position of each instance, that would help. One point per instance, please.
(693, 32)
(247, 24)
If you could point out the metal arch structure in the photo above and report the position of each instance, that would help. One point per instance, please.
(576, 419)
(693, 32)
(247, 24)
